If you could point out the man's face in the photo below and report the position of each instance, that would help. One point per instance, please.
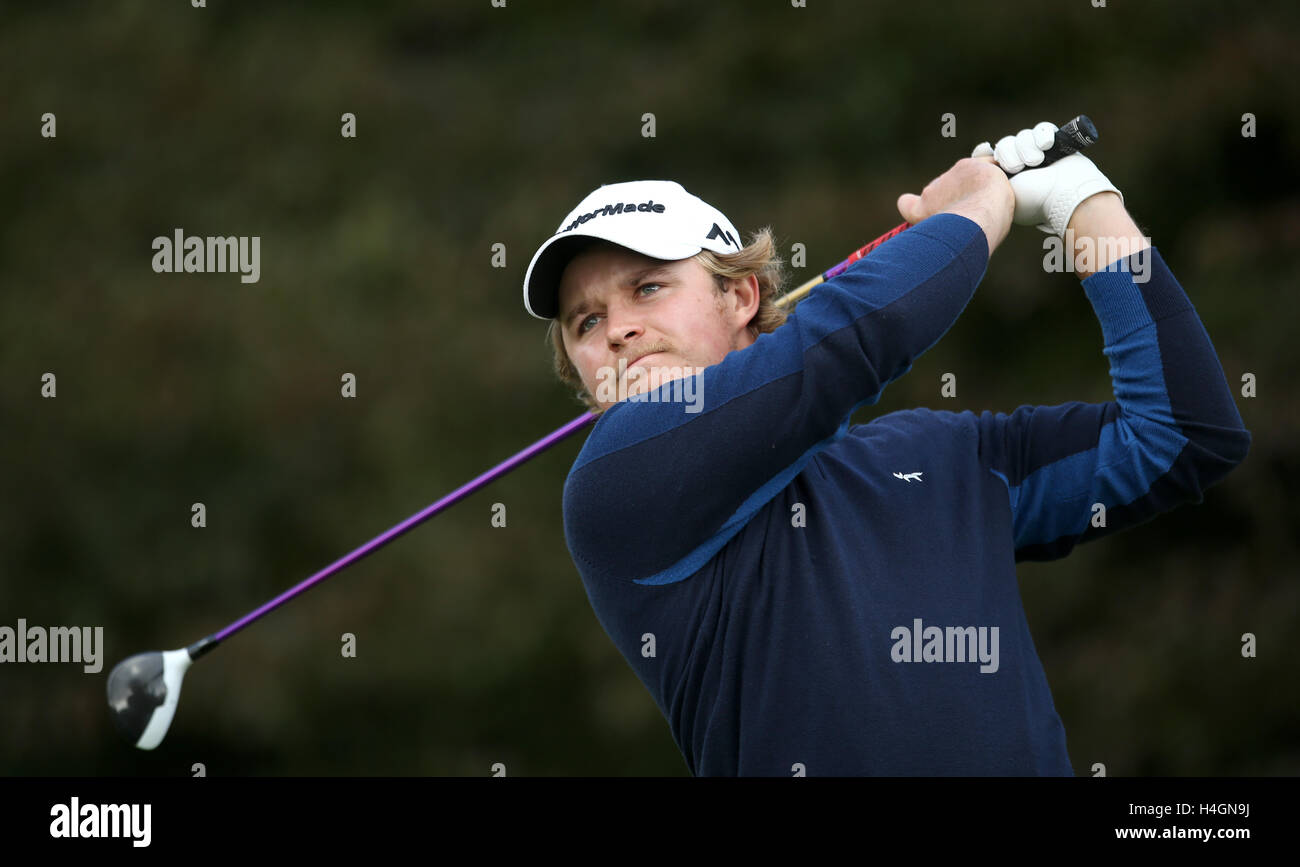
(666, 318)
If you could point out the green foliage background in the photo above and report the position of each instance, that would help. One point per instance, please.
(479, 125)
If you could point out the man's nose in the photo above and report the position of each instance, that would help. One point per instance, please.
(622, 324)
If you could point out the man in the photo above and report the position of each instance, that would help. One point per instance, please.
(802, 596)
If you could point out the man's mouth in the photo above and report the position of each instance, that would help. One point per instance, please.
(643, 358)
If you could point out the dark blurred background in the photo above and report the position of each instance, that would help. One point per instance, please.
(478, 125)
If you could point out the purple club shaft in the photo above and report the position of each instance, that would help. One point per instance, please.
(410, 523)
(473, 485)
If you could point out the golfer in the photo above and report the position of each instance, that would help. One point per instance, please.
(805, 596)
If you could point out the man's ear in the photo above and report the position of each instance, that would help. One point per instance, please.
(745, 298)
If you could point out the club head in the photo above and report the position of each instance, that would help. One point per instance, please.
(142, 694)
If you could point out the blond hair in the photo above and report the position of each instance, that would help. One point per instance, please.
(759, 258)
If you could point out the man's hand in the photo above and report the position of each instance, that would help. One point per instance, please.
(1045, 197)
(974, 188)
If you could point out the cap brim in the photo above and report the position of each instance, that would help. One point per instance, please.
(542, 282)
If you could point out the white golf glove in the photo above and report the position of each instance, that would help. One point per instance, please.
(1045, 197)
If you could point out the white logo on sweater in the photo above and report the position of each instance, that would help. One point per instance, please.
(908, 477)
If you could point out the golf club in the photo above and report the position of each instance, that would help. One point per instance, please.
(143, 690)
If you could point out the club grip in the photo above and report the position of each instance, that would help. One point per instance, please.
(1071, 137)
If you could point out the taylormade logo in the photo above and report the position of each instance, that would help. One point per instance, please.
(616, 208)
(719, 232)
(57, 644)
(103, 820)
(946, 644)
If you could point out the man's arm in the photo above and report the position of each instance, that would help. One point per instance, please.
(1172, 431)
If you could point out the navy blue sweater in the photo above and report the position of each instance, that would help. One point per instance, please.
(802, 594)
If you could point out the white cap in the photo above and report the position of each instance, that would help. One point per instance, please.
(658, 219)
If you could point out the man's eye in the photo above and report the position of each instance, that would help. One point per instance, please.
(583, 325)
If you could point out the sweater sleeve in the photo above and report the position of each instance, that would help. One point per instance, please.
(660, 486)
(1172, 431)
